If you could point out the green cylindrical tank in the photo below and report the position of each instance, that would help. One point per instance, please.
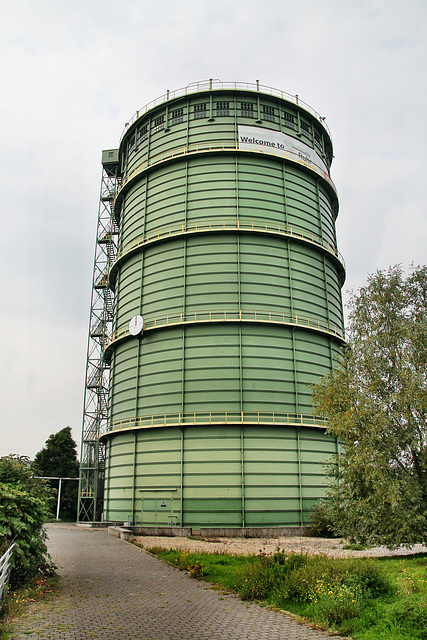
(227, 308)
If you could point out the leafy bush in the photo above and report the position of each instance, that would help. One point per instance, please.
(320, 521)
(336, 605)
(272, 574)
(256, 582)
(24, 502)
(367, 577)
(195, 570)
(334, 591)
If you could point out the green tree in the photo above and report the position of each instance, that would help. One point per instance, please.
(24, 507)
(376, 404)
(58, 458)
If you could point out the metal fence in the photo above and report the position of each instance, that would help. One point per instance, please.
(216, 417)
(5, 565)
(216, 84)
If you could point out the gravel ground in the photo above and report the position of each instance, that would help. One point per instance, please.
(248, 546)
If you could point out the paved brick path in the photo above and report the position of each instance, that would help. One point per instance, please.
(111, 590)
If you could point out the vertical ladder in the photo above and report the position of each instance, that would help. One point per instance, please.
(95, 411)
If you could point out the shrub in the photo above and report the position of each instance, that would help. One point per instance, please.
(288, 561)
(369, 578)
(195, 570)
(320, 522)
(336, 590)
(283, 575)
(256, 581)
(336, 605)
(316, 577)
(24, 503)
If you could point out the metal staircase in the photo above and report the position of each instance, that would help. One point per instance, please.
(95, 412)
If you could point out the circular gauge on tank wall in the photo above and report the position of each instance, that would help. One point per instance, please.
(136, 325)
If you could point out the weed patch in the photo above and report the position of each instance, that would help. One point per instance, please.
(366, 598)
(15, 601)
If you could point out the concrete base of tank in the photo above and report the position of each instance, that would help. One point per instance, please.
(128, 532)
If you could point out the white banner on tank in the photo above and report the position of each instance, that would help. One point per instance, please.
(279, 144)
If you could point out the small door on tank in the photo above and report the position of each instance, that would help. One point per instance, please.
(157, 508)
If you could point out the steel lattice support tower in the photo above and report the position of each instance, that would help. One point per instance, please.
(100, 325)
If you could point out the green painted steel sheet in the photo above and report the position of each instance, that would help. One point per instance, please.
(219, 473)
(230, 256)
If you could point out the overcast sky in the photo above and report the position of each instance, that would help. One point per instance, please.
(72, 73)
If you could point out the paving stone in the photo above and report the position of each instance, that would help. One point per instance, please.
(112, 590)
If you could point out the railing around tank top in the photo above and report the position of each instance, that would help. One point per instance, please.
(270, 317)
(274, 418)
(216, 85)
(231, 225)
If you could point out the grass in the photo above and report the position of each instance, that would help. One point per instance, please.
(365, 598)
(15, 602)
